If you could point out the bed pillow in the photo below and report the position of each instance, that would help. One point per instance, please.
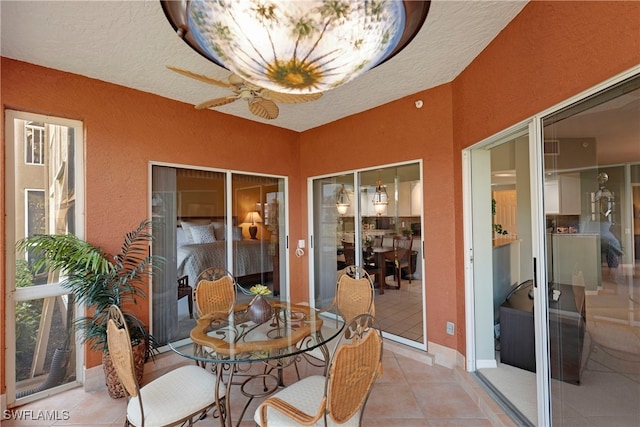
(219, 230)
(187, 226)
(181, 237)
(202, 233)
(237, 233)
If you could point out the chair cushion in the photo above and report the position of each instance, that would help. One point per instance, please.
(174, 396)
(305, 395)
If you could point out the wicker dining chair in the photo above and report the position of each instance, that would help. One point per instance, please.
(339, 398)
(171, 399)
(215, 291)
(354, 296)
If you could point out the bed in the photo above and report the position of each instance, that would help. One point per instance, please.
(201, 246)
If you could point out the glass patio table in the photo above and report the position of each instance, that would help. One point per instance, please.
(231, 343)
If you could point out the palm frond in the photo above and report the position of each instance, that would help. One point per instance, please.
(98, 280)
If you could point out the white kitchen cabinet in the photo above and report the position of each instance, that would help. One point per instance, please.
(562, 195)
(409, 202)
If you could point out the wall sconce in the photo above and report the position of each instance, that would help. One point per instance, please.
(252, 218)
(342, 201)
(381, 198)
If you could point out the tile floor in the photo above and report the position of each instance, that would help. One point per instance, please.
(410, 393)
(400, 311)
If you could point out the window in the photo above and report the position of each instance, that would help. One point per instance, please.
(34, 143)
(46, 194)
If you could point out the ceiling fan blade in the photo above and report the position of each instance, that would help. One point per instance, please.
(264, 108)
(201, 77)
(289, 98)
(236, 80)
(216, 102)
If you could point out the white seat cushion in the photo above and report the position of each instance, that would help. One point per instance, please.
(305, 395)
(174, 396)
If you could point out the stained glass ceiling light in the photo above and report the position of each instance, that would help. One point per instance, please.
(297, 46)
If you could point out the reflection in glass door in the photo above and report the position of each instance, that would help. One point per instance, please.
(591, 172)
(357, 218)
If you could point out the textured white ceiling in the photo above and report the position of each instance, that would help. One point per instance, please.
(130, 43)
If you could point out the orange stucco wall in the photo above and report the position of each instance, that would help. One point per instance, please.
(551, 51)
(397, 132)
(126, 129)
(548, 53)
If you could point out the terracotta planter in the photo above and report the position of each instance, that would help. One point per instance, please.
(259, 310)
(114, 386)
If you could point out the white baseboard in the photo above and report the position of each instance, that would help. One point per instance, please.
(445, 356)
(436, 354)
(488, 363)
(410, 352)
(93, 378)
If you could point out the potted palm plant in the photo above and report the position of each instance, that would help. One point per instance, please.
(98, 280)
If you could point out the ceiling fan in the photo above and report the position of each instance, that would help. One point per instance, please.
(261, 101)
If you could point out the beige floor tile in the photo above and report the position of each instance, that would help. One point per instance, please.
(410, 394)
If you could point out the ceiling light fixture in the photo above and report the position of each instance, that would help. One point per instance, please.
(301, 46)
(342, 201)
(381, 198)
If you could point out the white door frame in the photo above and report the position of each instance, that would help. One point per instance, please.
(538, 232)
(14, 294)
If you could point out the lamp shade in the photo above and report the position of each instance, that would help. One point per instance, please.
(297, 46)
(252, 217)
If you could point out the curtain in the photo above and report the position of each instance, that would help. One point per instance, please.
(164, 292)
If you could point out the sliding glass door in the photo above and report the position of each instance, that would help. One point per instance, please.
(213, 219)
(355, 216)
(592, 173)
(556, 324)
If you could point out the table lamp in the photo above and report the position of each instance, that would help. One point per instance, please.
(251, 218)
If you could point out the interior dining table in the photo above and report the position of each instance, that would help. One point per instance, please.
(232, 343)
(380, 253)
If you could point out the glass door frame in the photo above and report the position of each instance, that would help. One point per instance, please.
(358, 234)
(14, 294)
(229, 208)
(538, 231)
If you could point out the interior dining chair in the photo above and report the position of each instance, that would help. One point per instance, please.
(184, 290)
(403, 250)
(378, 241)
(171, 399)
(339, 397)
(350, 259)
(354, 296)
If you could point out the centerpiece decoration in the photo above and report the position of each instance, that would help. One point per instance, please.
(259, 309)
